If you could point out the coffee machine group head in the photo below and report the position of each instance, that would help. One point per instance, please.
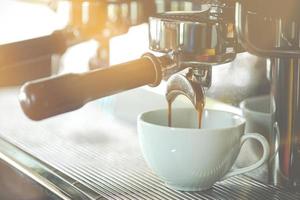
(196, 40)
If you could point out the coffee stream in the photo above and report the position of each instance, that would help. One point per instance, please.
(169, 113)
(199, 108)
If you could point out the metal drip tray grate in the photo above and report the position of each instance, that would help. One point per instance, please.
(103, 157)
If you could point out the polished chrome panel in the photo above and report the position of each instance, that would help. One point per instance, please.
(285, 98)
(46, 182)
(243, 31)
(15, 185)
(193, 37)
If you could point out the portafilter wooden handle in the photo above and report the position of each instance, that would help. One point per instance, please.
(48, 97)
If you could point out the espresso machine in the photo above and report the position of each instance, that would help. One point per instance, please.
(186, 43)
(277, 38)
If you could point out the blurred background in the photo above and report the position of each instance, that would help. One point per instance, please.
(23, 20)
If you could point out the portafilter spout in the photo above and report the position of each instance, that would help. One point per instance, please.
(187, 85)
(190, 86)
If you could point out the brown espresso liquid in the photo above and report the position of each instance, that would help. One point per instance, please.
(169, 113)
(199, 108)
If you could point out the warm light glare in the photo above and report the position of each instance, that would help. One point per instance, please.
(76, 59)
(20, 20)
(123, 48)
(129, 46)
(85, 12)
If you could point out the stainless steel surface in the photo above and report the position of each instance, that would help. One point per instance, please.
(244, 34)
(101, 153)
(14, 185)
(286, 107)
(25, 177)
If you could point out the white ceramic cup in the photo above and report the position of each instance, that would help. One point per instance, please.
(259, 119)
(190, 159)
(258, 115)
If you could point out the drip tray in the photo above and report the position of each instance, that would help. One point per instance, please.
(100, 154)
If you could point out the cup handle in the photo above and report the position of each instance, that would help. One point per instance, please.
(263, 159)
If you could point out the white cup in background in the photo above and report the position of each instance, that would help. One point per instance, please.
(190, 159)
(259, 119)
